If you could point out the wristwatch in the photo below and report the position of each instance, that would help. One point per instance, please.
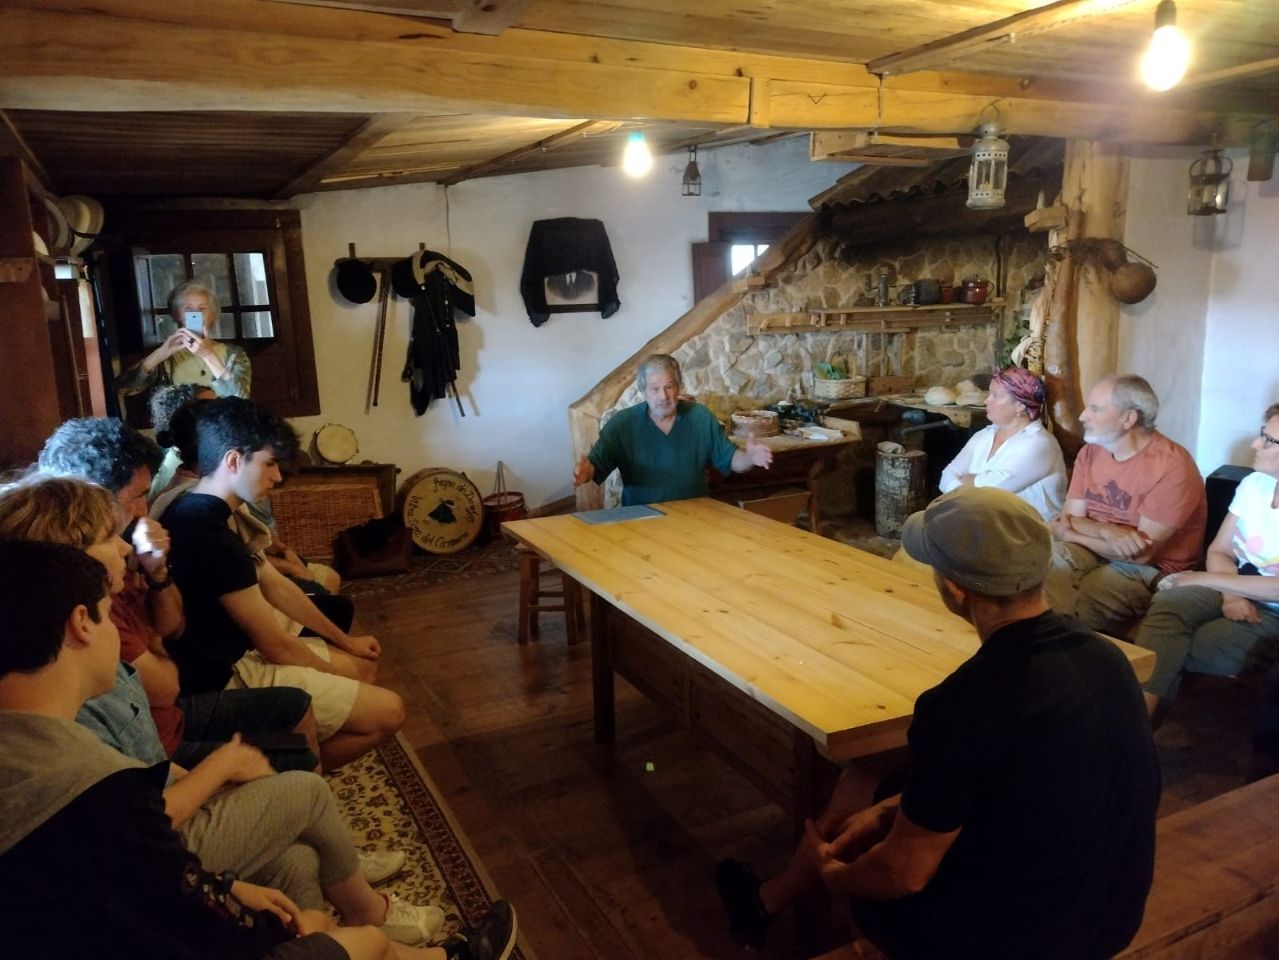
(162, 584)
(225, 880)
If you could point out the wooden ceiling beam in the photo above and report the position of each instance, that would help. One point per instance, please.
(369, 133)
(1244, 71)
(489, 17)
(116, 57)
(435, 9)
(490, 167)
(970, 42)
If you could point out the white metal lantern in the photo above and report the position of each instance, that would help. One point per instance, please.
(1209, 184)
(692, 182)
(988, 172)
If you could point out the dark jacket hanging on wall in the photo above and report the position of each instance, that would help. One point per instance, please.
(563, 246)
(436, 286)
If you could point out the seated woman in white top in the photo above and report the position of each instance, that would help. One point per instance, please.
(1015, 452)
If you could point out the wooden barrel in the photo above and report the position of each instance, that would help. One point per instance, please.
(899, 488)
(442, 509)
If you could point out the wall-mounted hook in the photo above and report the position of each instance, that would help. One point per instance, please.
(421, 247)
(350, 249)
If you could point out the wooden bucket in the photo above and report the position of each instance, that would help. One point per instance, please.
(502, 504)
(442, 509)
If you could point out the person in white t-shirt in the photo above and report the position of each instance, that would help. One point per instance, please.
(1015, 452)
(1225, 619)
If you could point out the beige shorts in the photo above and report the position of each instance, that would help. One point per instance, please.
(332, 697)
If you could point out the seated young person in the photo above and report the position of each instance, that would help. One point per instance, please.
(149, 609)
(231, 810)
(316, 579)
(234, 637)
(88, 861)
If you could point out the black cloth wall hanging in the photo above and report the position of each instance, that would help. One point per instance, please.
(559, 256)
(436, 286)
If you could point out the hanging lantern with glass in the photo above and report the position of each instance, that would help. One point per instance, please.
(692, 183)
(1209, 184)
(988, 172)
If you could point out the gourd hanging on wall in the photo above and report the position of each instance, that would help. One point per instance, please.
(436, 286)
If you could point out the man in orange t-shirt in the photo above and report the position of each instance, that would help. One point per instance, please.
(1135, 510)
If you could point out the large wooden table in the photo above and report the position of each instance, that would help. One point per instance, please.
(789, 651)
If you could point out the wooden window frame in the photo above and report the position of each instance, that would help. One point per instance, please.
(284, 376)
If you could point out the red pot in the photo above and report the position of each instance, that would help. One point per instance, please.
(976, 291)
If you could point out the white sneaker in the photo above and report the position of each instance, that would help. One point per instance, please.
(380, 865)
(409, 924)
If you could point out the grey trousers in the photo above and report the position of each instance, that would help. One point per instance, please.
(1106, 595)
(282, 831)
(1187, 632)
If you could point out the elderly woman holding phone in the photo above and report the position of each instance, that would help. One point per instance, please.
(188, 355)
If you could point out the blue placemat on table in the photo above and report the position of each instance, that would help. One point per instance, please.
(618, 514)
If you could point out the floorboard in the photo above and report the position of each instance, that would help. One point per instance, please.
(610, 856)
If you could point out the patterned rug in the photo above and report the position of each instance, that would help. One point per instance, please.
(389, 801)
(477, 560)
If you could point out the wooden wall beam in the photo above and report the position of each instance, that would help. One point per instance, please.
(970, 42)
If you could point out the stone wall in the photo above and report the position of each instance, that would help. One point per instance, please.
(728, 369)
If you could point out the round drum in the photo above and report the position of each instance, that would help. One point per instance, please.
(442, 510)
(336, 443)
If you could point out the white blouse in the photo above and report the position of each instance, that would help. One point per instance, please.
(1029, 464)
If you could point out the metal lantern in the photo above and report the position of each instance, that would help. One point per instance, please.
(692, 184)
(1209, 184)
(988, 172)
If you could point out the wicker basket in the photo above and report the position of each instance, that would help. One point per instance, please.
(839, 389)
(308, 518)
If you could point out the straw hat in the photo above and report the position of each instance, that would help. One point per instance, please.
(84, 217)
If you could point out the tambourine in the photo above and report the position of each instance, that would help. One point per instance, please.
(336, 443)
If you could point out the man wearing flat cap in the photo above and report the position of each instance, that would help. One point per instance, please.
(1026, 827)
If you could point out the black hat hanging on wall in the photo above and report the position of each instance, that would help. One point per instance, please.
(355, 280)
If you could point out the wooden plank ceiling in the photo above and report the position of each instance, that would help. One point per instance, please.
(270, 98)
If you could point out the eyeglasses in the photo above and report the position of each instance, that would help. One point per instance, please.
(1266, 439)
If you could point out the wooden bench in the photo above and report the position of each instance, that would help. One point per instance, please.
(1216, 889)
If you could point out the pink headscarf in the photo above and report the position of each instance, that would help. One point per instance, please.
(1026, 388)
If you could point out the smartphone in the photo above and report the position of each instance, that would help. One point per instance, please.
(193, 320)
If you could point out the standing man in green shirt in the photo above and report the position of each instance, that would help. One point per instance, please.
(663, 445)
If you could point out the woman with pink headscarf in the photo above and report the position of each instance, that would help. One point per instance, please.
(1015, 452)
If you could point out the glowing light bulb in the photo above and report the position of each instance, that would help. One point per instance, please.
(1166, 59)
(636, 159)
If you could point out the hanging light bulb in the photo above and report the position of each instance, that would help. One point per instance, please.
(1168, 55)
(692, 183)
(636, 159)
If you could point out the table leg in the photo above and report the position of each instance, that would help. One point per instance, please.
(602, 670)
(814, 496)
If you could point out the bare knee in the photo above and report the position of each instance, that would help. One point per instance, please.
(364, 943)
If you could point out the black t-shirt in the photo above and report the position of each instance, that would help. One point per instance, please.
(1038, 749)
(106, 877)
(208, 560)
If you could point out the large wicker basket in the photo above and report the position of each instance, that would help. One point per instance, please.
(308, 518)
(839, 389)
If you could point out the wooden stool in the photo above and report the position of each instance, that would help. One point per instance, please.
(532, 594)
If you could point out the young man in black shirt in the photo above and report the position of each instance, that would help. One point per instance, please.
(1026, 827)
(235, 636)
(89, 865)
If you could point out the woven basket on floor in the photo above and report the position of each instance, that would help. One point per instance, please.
(309, 517)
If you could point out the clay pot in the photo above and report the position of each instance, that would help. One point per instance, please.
(1132, 282)
(1112, 254)
(976, 291)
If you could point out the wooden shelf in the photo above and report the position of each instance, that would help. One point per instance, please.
(873, 319)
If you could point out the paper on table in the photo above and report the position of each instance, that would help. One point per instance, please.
(618, 514)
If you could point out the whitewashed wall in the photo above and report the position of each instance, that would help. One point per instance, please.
(1241, 357)
(1208, 339)
(517, 381)
(1162, 337)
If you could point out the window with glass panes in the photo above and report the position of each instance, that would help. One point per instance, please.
(240, 279)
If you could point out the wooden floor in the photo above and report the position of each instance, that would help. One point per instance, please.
(611, 856)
